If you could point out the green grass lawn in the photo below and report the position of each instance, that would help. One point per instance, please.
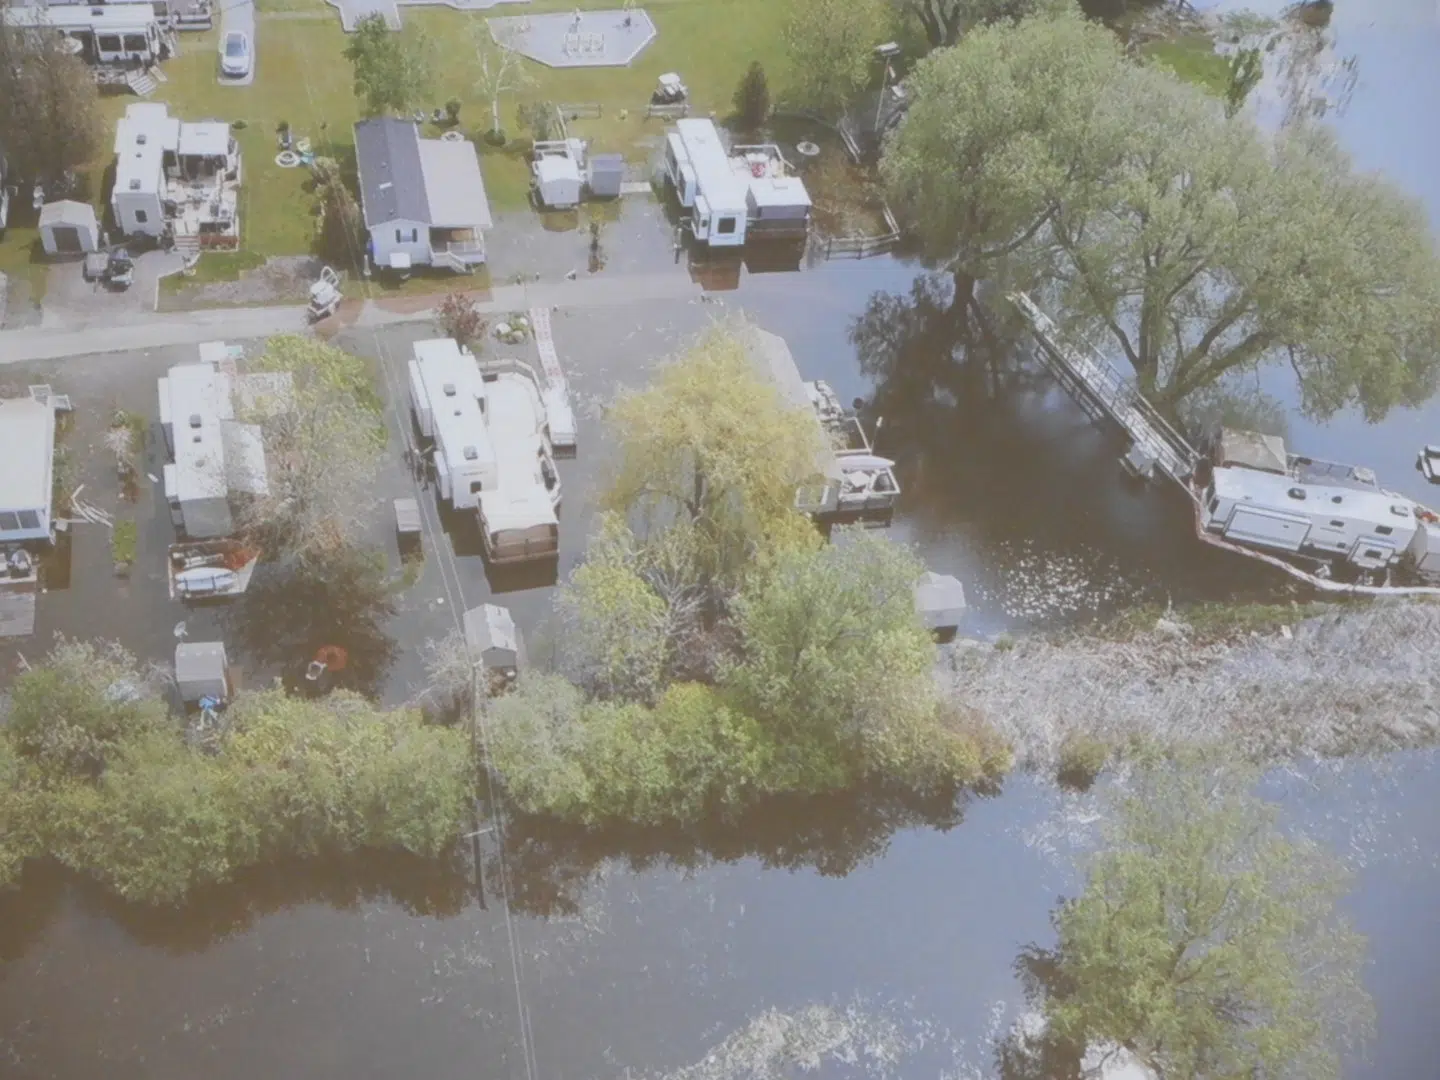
(1192, 57)
(302, 77)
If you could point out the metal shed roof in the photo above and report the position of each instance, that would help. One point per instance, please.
(199, 660)
(490, 629)
(207, 138)
(454, 188)
(392, 177)
(27, 446)
(68, 212)
(939, 600)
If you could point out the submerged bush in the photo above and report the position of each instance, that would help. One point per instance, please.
(1082, 759)
(95, 773)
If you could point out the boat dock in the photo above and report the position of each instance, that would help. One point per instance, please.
(556, 392)
(1109, 397)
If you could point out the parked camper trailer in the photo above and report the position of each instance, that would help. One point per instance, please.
(734, 194)
(490, 448)
(1336, 515)
(698, 166)
(120, 41)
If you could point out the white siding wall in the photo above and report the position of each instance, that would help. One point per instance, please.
(384, 242)
(128, 205)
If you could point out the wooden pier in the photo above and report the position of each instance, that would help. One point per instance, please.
(1109, 397)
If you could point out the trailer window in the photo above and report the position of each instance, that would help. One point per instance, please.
(140, 217)
(726, 226)
(1214, 503)
(29, 519)
(1371, 553)
(476, 486)
(136, 43)
(108, 42)
(1336, 524)
(8, 521)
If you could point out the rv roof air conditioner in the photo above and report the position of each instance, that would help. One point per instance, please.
(1296, 493)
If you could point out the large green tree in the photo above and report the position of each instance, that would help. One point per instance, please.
(1206, 939)
(95, 773)
(392, 69)
(324, 440)
(834, 660)
(832, 50)
(712, 445)
(1187, 243)
(944, 21)
(50, 120)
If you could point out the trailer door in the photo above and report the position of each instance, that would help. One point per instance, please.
(1267, 528)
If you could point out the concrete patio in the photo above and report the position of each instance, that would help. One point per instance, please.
(579, 39)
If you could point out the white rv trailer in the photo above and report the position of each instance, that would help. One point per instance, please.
(1261, 497)
(733, 193)
(110, 37)
(697, 163)
(491, 451)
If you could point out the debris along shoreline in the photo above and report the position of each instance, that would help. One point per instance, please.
(1363, 678)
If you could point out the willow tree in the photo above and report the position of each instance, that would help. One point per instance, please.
(1184, 242)
(944, 21)
(712, 447)
(1206, 939)
(324, 439)
(832, 50)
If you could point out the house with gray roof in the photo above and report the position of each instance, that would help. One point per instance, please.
(423, 199)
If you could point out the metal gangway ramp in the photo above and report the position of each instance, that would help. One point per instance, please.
(1107, 396)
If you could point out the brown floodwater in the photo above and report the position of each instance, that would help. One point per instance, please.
(569, 956)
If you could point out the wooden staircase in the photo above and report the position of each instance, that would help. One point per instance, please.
(188, 246)
(141, 82)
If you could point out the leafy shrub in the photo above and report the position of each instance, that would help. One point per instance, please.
(1081, 760)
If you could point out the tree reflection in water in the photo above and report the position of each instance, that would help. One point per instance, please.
(293, 608)
(549, 868)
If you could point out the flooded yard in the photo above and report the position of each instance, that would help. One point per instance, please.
(569, 956)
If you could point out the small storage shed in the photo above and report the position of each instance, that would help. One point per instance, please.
(69, 228)
(407, 524)
(494, 640)
(201, 671)
(940, 602)
(607, 173)
(557, 181)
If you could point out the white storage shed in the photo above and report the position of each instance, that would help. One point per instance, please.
(940, 602)
(69, 228)
(201, 671)
(494, 640)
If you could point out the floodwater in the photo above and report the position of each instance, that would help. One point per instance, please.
(639, 953)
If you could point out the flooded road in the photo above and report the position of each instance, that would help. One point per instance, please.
(382, 968)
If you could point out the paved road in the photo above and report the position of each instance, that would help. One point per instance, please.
(59, 337)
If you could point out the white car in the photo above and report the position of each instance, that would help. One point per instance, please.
(235, 54)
